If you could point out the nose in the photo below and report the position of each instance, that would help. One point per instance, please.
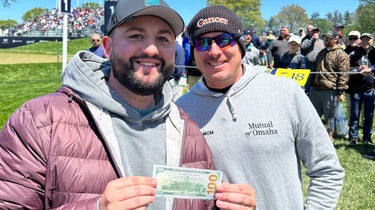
(215, 49)
(150, 48)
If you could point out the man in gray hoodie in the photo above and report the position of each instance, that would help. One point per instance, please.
(260, 127)
(94, 142)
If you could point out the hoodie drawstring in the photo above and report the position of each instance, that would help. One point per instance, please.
(231, 108)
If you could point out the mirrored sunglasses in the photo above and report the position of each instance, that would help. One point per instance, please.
(222, 40)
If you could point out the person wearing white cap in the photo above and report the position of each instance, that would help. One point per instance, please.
(94, 142)
(361, 89)
(354, 41)
(293, 59)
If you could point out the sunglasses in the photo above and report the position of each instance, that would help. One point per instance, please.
(96, 40)
(222, 40)
(353, 38)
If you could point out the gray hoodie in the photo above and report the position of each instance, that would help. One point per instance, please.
(137, 141)
(260, 132)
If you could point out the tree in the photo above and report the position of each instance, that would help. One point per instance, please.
(348, 18)
(7, 23)
(366, 16)
(247, 10)
(90, 5)
(337, 17)
(323, 24)
(273, 24)
(34, 13)
(6, 3)
(292, 16)
(314, 16)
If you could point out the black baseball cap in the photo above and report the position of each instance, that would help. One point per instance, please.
(248, 31)
(126, 10)
(338, 25)
(331, 35)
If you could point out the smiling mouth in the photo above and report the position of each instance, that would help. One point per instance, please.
(217, 64)
(148, 64)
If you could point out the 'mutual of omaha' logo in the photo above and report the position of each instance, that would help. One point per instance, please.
(261, 129)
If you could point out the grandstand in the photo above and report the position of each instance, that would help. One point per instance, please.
(81, 23)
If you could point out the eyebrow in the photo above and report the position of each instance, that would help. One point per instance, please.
(161, 31)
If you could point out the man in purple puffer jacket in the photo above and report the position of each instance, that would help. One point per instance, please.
(93, 143)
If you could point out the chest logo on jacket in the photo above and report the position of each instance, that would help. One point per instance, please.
(206, 133)
(261, 129)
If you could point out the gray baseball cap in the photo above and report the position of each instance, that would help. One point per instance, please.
(126, 10)
(368, 35)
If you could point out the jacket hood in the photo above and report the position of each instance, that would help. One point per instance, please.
(87, 74)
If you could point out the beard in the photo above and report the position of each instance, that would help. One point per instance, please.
(124, 72)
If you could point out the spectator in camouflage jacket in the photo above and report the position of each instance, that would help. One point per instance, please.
(329, 80)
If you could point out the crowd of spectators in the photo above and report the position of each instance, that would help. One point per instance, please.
(82, 22)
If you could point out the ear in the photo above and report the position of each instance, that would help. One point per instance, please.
(107, 44)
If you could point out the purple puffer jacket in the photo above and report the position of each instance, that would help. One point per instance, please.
(52, 156)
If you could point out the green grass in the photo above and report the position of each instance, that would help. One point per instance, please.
(22, 82)
(359, 184)
(51, 48)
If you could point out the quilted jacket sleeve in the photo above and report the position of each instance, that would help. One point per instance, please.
(45, 162)
(22, 163)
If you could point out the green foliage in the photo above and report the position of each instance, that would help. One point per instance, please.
(34, 13)
(8, 23)
(366, 16)
(348, 18)
(6, 3)
(323, 25)
(292, 16)
(314, 16)
(335, 17)
(247, 10)
(90, 5)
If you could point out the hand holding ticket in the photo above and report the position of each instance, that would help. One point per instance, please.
(189, 183)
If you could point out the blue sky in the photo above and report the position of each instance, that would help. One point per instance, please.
(187, 8)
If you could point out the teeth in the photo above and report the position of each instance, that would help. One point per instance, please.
(216, 64)
(147, 64)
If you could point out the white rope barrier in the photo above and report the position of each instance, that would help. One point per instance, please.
(311, 72)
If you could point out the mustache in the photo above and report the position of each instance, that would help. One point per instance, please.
(143, 56)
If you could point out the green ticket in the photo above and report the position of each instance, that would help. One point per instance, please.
(189, 183)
